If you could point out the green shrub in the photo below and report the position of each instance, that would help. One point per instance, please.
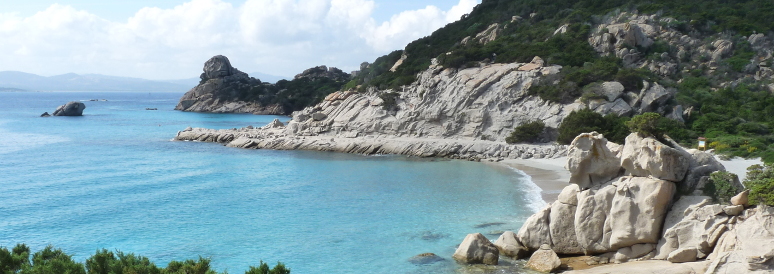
(721, 187)
(527, 132)
(760, 181)
(389, 99)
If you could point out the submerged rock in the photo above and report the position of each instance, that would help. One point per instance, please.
(425, 258)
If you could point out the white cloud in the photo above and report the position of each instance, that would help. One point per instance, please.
(273, 36)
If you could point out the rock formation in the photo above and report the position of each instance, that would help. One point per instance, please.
(70, 109)
(219, 88)
(633, 217)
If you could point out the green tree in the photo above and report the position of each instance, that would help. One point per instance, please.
(13, 261)
(263, 268)
(53, 261)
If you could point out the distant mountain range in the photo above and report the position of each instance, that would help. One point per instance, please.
(16, 81)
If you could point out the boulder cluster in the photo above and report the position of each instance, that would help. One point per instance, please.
(623, 205)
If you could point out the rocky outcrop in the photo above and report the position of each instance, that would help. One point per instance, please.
(70, 109)
(632, 217)
(477, 249)
(648, 157)
(483, 103)
(606, 214)
(219, 91)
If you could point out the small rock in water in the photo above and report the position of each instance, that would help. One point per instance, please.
(488, 224)
(425, 258)
(45, 114)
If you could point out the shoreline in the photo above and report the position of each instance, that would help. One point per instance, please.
(547, 174)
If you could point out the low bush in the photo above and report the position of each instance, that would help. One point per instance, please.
(721, 187)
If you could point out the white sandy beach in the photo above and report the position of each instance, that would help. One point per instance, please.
(548, 174)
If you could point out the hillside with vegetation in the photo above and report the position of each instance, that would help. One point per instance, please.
(715, 59)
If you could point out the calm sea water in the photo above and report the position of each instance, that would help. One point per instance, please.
(114, 179)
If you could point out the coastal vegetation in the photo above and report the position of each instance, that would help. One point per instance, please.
(52, 260)
(736, 118)
(760, 181)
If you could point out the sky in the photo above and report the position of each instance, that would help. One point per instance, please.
(171, 39)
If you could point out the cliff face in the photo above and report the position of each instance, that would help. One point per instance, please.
(219, 88)
(482, 103)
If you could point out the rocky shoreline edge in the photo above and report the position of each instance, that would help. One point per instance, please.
(273, 136)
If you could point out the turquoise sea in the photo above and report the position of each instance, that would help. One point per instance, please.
(114, 179)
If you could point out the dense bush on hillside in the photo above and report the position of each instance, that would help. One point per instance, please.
(736, 120)
(54, 261)
(586, 120)
(292, 95)
(760, 181)
(527, 132)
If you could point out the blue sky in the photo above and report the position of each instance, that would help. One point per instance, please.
(171, 39)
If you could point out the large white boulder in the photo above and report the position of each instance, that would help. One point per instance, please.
(562, 227)
(535, 231)
(591, 159)
(645, 156)
(477, 249)
(638, 210)
(591, 225)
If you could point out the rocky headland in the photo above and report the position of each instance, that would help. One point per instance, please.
(217, 91)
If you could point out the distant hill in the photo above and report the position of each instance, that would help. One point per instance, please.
(83, 82)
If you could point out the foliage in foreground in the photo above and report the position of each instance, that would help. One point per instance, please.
(760, 181)
(55, 261)
(527, 132)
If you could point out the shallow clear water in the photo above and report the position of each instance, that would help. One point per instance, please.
(114, 179)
